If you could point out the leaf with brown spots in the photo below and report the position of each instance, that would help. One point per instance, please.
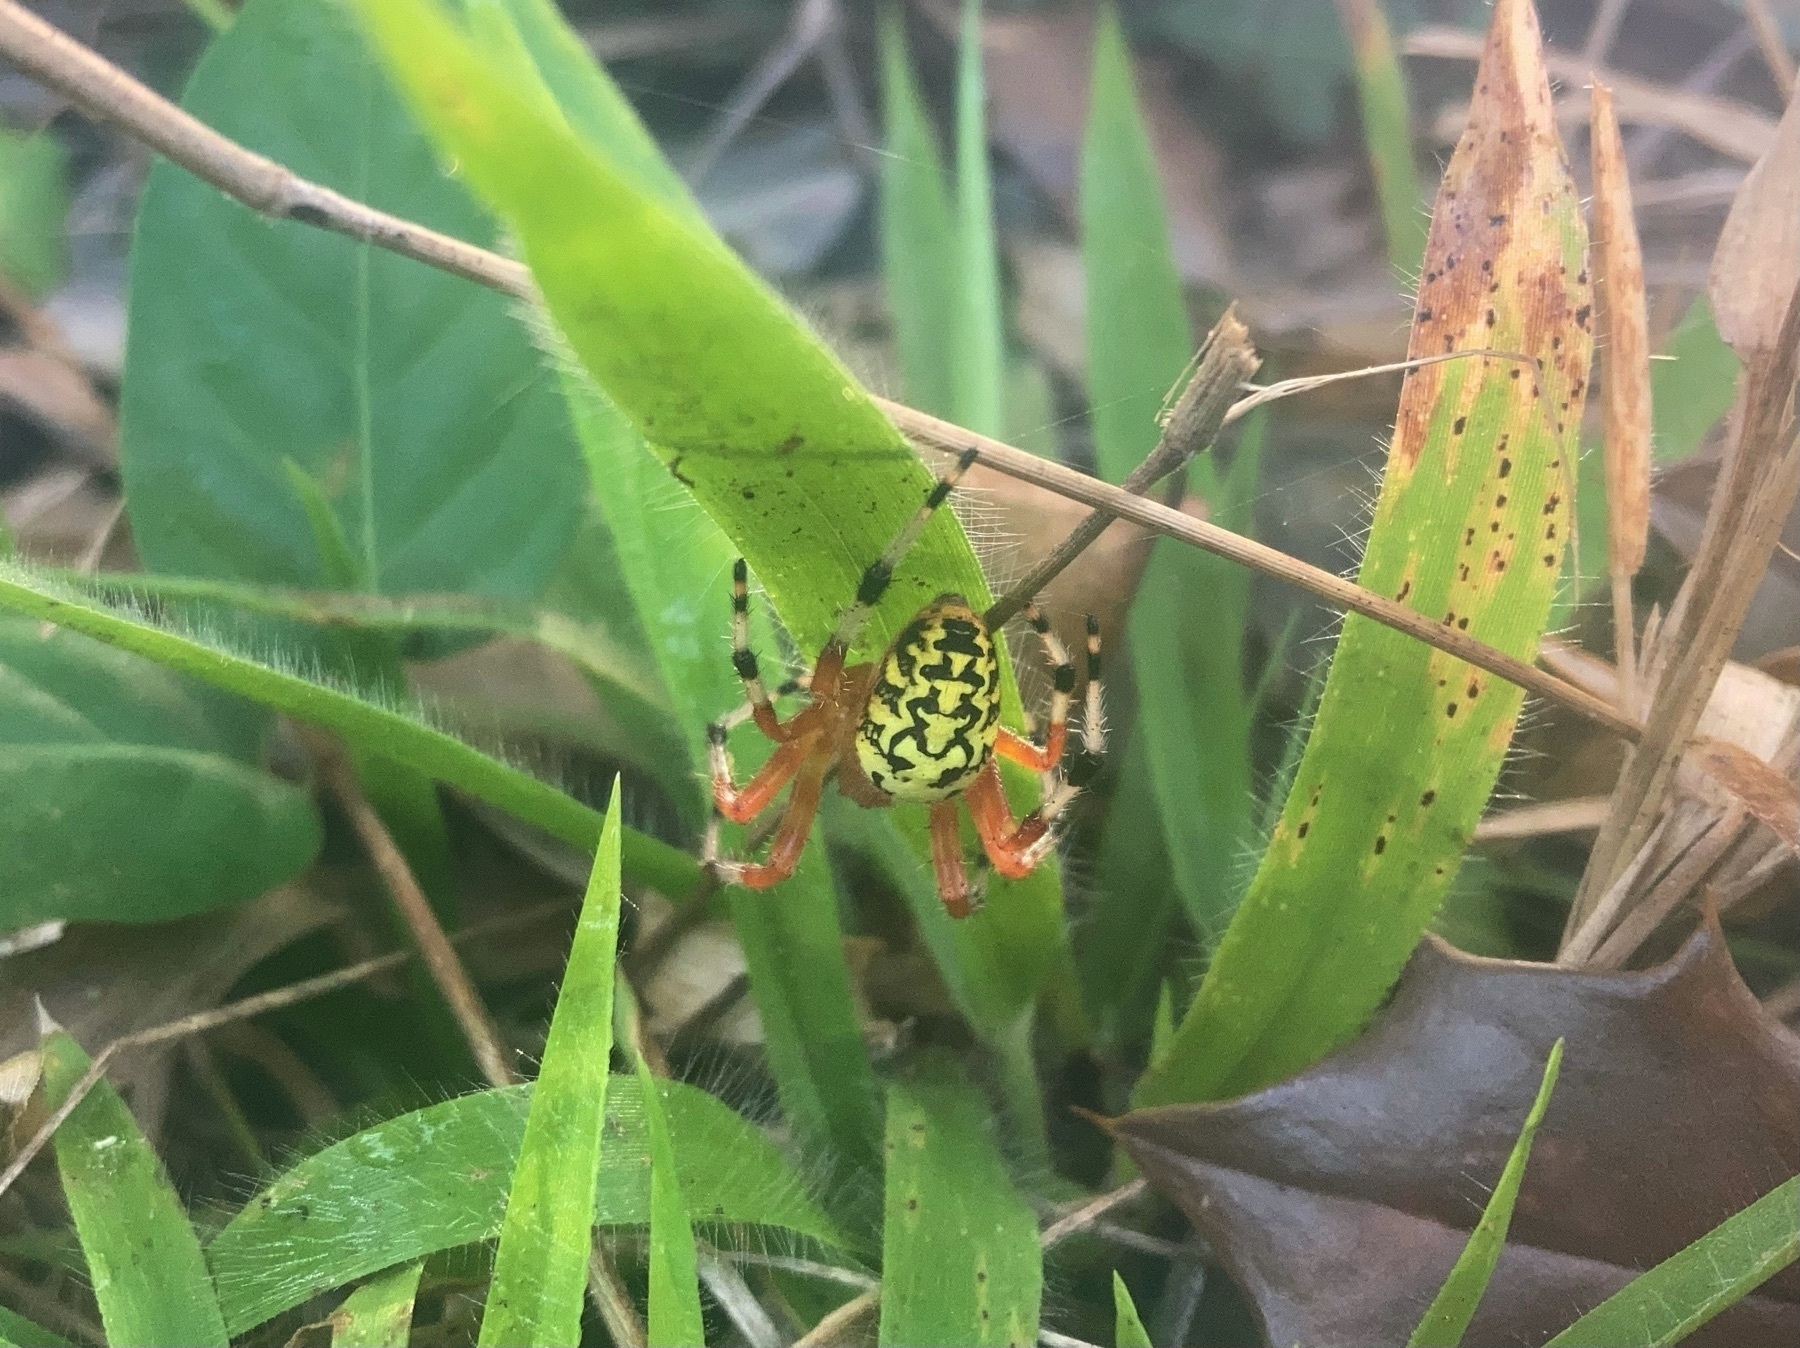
(1338, 1200)
(1470, 528)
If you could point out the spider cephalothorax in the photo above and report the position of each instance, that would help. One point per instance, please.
(921, 725)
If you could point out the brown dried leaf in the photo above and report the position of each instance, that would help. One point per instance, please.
(102, 981)
(1759, 788)
(1340, 1198)
(1624, 342)
(1757, 263)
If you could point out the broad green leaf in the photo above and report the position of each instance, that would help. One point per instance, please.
(18, 1332)
(978, 341)
(1470, 528)
(33, 202)
(379, 1313)
(411, 399)
(1691, 389)
(748, 411)
(1188, 617)
(437, 1178)
(143, 1258)
(1387, 134)
(919, 262)
(540, 1268)
(135, 795)
(1448, 1316)
(378, 730)
(676, 565)
(1128, 1328)
(1686, 1290)
(960, 1258)
(674, 1317)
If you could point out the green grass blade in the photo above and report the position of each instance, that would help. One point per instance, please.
(794, 953)
(747, 410)
(437, 1178)
(379, 1313)
(960, 1258)
(918, 235)
(1128, 1325)
(978, 341)
(1686, 1290)
(339, 568)
(374, 729)
(1470, 528)
(674, 1319)
(677, 571)
(1692, 391)
(1387, 132)
(1187, 620)
(18, 1332)
(621, 672)
(148, 1274)
(1138, 336)
(1448, 1316)
(540, 1268)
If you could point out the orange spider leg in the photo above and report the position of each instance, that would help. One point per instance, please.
(790, 837)
(947, 858)
(1044, 757)
(1037, 757)
(1015, 849)
(742, 804)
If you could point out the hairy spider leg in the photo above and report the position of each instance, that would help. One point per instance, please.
(742, 804)
(743, 658)
(790, 836)
(1045, 756)
(1082, 768)
(880, 573)
(1016, 849)
(947, 858)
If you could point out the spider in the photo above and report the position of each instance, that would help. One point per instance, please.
(921, 724)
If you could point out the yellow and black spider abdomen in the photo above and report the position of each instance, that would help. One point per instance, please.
(932, 716)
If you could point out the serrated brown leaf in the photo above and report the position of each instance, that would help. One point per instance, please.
(1340, 1198)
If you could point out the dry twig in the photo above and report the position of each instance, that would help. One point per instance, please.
(241, 174)
(103, 90)
(1225, 362)
(440, 957)
(242, 1009)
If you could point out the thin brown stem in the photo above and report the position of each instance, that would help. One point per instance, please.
(104, 91)
(1089, 1213)
(1624, 641)
(439, 956)
(949, 438)
(242, 1009)
(835, 1327)
(1225, 362)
